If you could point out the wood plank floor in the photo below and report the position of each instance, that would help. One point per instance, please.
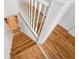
(31, 53)
(60, 45)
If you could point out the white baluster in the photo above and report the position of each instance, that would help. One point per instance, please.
(39, 11)
(35, 7)
(43, 18)
(26, 1)
(31, 12)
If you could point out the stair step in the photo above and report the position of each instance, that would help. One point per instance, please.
(21, 37)
(18, 36)
(21, 49)
(21, 44)
(14, 44)
(21, 40)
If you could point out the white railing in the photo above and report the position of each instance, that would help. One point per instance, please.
(40, 15)
(36, 13)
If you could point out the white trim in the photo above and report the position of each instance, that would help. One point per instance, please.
(42, 51)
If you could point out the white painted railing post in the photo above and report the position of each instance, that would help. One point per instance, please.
(42, 20)
(39, 10)
(34, 14)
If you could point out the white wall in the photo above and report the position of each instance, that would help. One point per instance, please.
(68, 20)
(10, 7)
(7, 42)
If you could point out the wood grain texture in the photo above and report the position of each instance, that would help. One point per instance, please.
(60, 45)
(31, 53)
(20, 43)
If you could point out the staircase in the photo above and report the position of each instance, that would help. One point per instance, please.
(20, 43)
(40, 17)
(60, 45)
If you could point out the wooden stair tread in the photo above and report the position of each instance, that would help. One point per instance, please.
(22, 48)
(33, 52)
(21, 37)
(18, 37)
(21, 44)
(14, 44)
(20, 41)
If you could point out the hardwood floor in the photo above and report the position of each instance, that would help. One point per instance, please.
(31, 53)
(60, 45)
